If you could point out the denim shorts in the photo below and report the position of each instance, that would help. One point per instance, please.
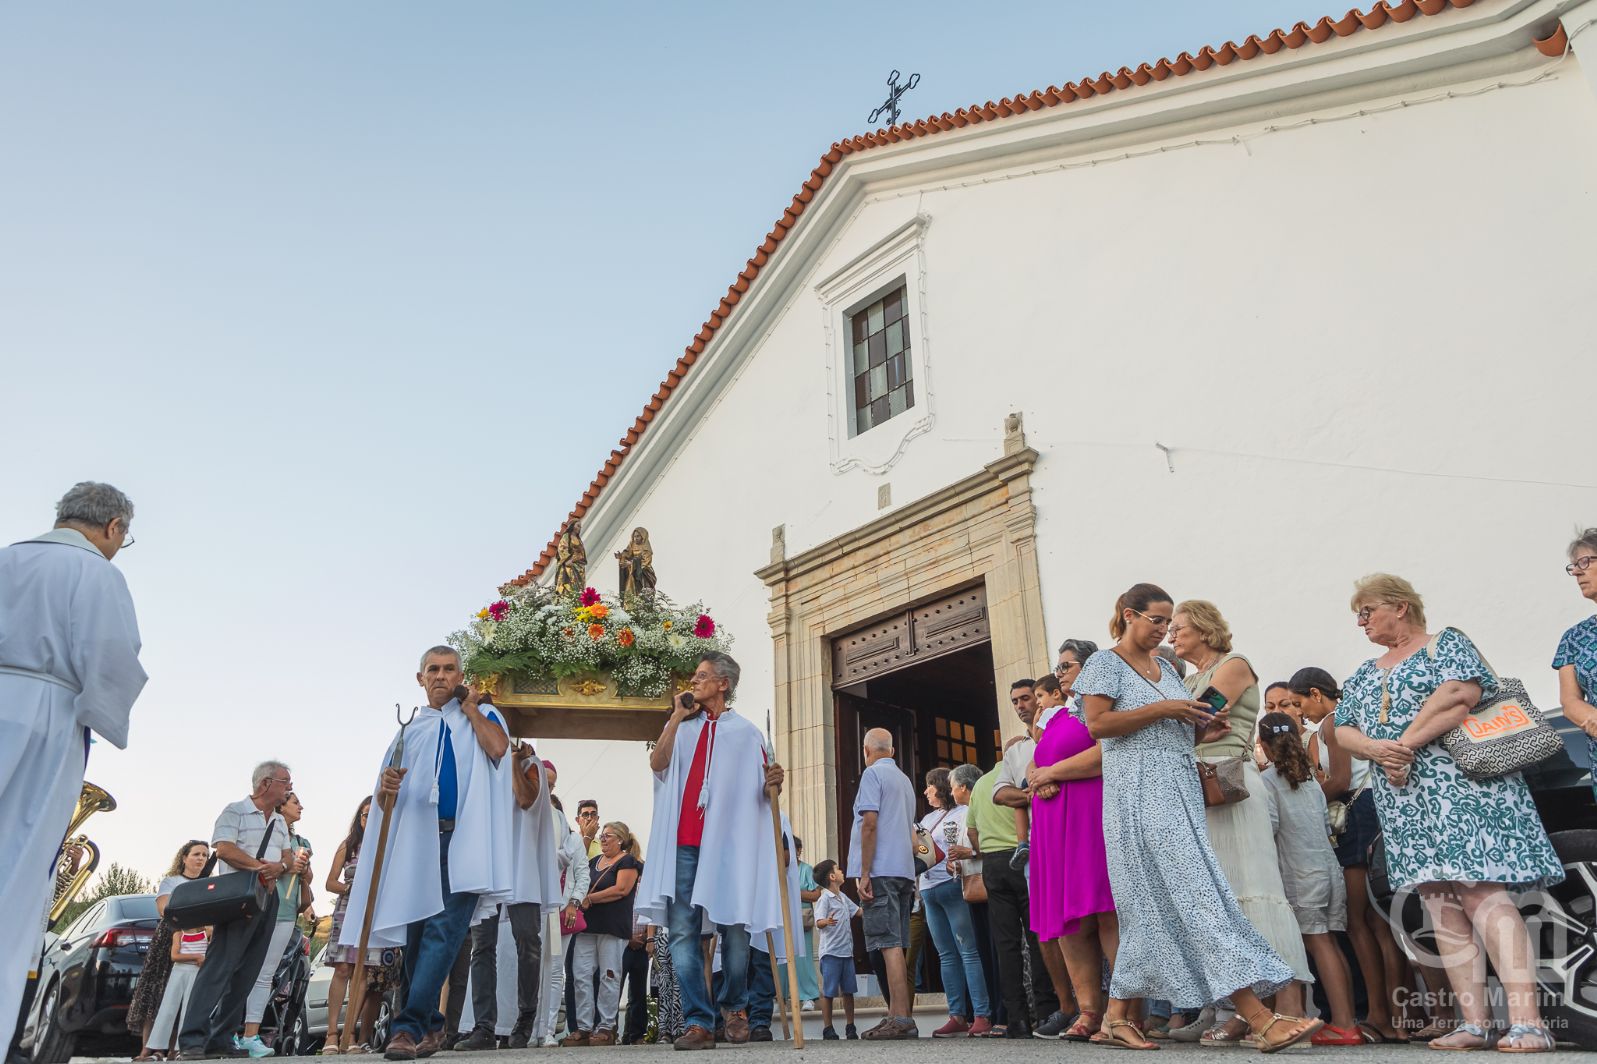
(1363, 825)
(886, 916)
(837, 976)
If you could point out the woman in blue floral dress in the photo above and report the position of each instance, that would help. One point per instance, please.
(1461, 843)
(1576, 659)
(1183, 937)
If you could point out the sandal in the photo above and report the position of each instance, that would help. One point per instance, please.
(1112, 1038)
(1083, 1029)
(330, 1050)
(1372, 1034)
(1159, 1029)
(1220, 1036)
(1469, 1030)
(1309, 1029)
(1525, 1030)
(1433, 1030)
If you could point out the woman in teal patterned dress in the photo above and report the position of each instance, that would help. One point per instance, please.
(1576, 659)
(1461, 843)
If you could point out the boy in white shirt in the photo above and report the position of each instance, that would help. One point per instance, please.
(834, 913)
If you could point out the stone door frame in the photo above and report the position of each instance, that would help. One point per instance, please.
(981, 528)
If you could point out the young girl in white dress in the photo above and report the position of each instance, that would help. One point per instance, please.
(1310, 871)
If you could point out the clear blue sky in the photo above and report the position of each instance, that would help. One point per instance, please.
(353, 299)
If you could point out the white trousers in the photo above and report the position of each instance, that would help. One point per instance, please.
(174, 999)
(601, 954)
(551, 979)
(255, 1008)
(41, 773)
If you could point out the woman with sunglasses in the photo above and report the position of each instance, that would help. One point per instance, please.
(1183, 937)
(1576, 659)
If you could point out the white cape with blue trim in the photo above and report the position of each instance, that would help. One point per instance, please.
(480, 852)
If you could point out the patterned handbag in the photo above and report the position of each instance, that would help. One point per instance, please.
(1504, 733)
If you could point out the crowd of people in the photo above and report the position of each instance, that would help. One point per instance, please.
(1170, 850)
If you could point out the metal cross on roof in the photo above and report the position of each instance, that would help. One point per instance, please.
(894, 92)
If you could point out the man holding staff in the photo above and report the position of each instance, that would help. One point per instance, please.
(449, 845)
(710, 854)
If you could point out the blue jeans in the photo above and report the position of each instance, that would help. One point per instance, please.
(431, 946)
(762, 989)
(685, 923)
(948, 918)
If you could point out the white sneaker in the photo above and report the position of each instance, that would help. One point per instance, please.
(806, 1005)
(255, 1047)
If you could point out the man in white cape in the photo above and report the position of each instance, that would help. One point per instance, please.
(69, 665)
(711, 856)
(449, 846)
(535, 893)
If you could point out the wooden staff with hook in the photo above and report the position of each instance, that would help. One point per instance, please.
(357, 985)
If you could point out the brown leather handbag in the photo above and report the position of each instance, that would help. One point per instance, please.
(1224, 782)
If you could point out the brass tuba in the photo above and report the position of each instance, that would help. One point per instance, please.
(73, 875)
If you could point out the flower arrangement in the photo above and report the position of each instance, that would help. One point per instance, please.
(541, 634)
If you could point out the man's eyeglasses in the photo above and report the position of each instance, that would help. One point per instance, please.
(1581, 564)
(589, 815)
(1157, 622)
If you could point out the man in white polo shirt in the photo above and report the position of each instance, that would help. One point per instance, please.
(881, 856)
(238, 947)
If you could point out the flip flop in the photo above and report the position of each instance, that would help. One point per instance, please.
(1373, 1036)
(1463, 1028)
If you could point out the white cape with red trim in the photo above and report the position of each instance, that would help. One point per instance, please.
(737, 877)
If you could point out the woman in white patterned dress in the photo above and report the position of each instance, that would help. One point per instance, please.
(1183, 937)
(1460, 842)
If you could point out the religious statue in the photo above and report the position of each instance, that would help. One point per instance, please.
(637, 566)
(571, 559)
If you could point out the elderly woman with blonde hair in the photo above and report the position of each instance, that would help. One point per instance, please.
(1240, 830)
(1462, 843)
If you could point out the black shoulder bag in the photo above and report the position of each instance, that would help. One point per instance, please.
(211, 900)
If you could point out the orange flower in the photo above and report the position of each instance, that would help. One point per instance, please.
(598, 611)
(595, 632)
(569, 633)
(625, 637)
(666, 625)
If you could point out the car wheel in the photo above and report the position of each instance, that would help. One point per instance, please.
(51, 1043)
(301, 1044)
(1563, 925)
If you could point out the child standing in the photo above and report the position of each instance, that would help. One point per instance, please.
(834, 913)
(188, 953)
(1310, 871)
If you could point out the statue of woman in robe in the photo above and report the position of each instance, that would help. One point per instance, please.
(571, 559)
(637, 566)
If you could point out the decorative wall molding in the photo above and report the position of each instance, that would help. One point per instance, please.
(901, 253)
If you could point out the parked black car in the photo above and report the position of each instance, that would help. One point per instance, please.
(86, 979)
(1562, 919)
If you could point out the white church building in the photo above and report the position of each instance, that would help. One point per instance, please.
(1248, 323)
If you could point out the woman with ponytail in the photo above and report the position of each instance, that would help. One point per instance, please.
(1309, 869)
(1183, 937)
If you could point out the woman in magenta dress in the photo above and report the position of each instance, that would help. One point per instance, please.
(1070, 896)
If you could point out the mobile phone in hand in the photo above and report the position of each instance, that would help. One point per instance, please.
(1215, 700)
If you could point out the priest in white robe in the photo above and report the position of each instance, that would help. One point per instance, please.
(449, 847)
(497, 988)
(69, 665)
(711, 856)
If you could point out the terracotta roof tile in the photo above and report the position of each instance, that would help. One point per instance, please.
(1101, 84)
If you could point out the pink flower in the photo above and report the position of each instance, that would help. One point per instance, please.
(498, 610)
(589, 596)
(704, 628)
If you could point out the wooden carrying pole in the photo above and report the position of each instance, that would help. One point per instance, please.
(787, 922)
(776, 982)
(357, 982)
